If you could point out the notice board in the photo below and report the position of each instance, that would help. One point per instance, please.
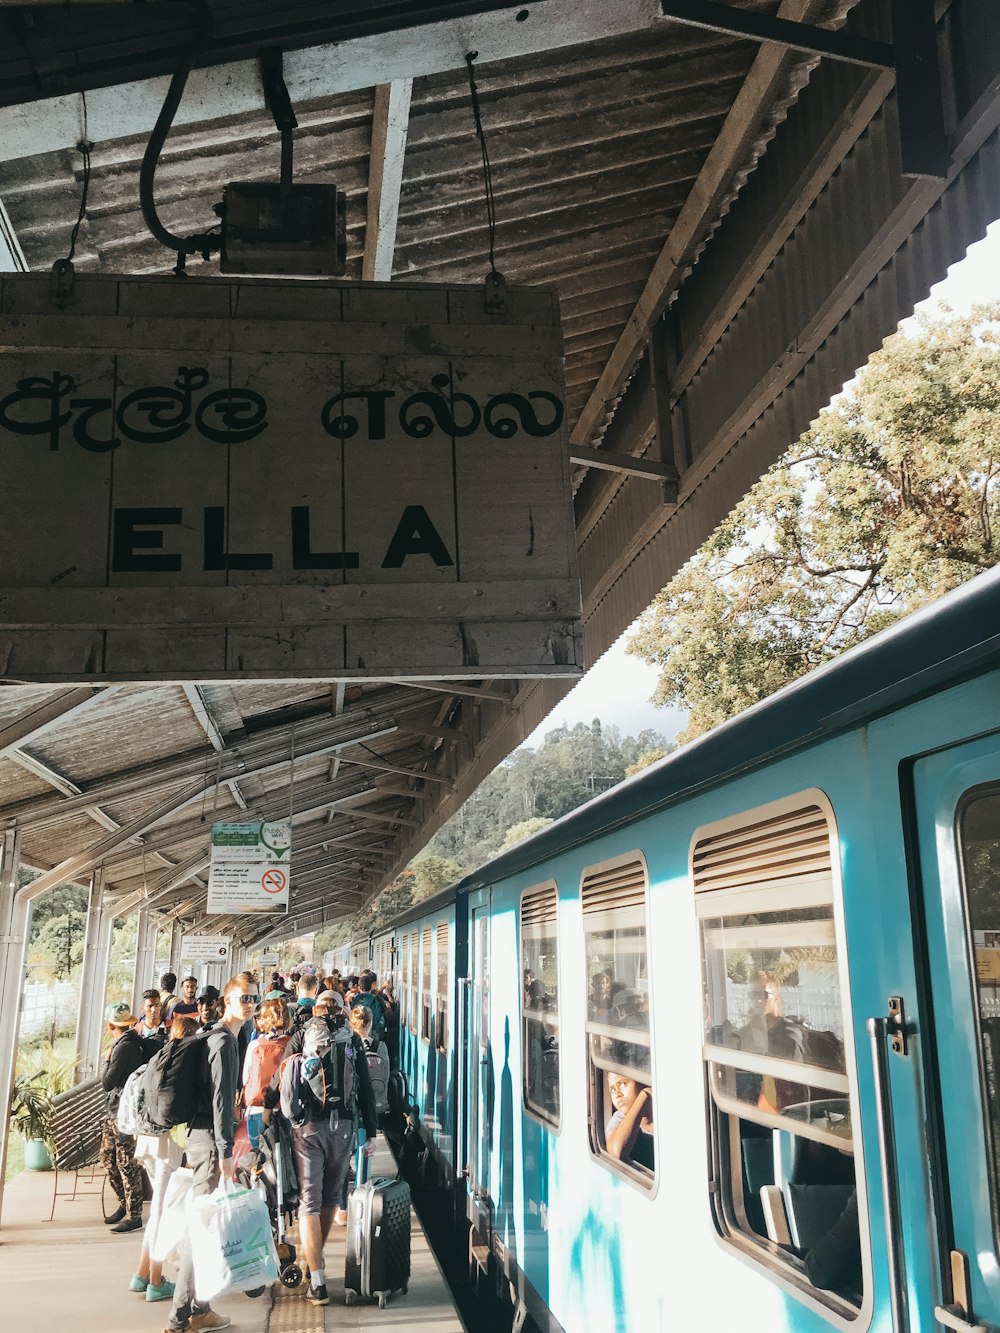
(224, 478)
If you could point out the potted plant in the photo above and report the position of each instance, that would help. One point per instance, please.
(30, 1108)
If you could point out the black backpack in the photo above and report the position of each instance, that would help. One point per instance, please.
(176, 1081)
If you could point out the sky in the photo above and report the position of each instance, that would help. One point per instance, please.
(618, 687)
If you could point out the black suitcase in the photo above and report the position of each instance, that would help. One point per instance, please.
(378, 1241)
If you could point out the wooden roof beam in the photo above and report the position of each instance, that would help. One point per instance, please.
(729, 152)
(390, 123)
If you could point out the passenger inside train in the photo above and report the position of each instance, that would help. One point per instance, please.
(629, 1132)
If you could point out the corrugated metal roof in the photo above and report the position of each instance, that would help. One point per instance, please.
(595, 149)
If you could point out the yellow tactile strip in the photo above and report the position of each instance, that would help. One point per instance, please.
(292, 1313)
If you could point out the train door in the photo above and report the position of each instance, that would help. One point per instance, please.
(479, 1069)
(957, 795)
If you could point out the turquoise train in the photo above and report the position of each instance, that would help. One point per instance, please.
(721, 1049)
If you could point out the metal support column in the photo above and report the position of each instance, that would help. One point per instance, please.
(11, 976)
(93, 981)
(176, 939)
(145, 956)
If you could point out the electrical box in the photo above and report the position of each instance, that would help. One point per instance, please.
(284, 229)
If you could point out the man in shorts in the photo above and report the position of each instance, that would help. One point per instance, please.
(323, 1143)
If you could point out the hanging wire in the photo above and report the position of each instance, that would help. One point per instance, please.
(291, 775)
(85, 148)
(491, 211)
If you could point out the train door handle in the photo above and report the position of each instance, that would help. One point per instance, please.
(881, 1031)
(956, 1315)
(953, 1316)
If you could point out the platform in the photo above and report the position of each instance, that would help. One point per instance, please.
(72, 1274)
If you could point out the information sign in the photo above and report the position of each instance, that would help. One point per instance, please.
(229, 477)
(250, 869)
(206, 948)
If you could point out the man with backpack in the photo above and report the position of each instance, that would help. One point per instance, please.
(209, 1078)
(373, 1002)
(323, 1089)
(118, 1150)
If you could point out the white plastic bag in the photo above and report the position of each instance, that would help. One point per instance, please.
(173, 1224)
(231, 1243)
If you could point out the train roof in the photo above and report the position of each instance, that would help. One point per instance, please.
(949, 640)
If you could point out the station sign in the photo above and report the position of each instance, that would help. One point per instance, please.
(223, 478)
(250, 868)
(206, 948)
(269, 960)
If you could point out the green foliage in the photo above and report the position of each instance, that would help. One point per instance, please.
(890, 499)
(569, 767)
(57, 948)
(518, 832)
(433, 873)
(30, 1106)
(645, 759)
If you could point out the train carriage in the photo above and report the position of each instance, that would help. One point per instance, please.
(722, 1045)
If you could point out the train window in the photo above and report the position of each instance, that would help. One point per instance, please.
(404, 963)
(979, 837)
(425, 985)
(540, 1002)
(441, 991)
(620, 1073)
(414, 963)
(780, 1100)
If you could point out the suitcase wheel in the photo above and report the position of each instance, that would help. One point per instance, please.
(255, 1292)
(382, 1298)
(290, 1275)
(349, 1296)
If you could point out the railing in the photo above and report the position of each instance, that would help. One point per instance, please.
(820, 1008)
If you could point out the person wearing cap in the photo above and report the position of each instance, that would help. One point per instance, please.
(188, 1003)
(207, 1001)
(117, 1149)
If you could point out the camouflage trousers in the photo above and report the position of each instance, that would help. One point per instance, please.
(124, 1172)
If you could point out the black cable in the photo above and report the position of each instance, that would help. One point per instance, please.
(491, 211)
(204, 242)
(85, 148)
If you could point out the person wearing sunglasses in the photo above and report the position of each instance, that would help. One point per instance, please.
(211, 1131)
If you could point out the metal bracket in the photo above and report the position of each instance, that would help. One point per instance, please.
(61, 285)
(279, 103)
(896, 1026)
(913, 56)
(496, 294)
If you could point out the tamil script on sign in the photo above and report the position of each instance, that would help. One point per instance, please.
(253, 840)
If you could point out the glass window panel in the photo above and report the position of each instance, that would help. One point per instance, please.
(773, 987)
(540, 1004)
(620, 1080)
(979, 833)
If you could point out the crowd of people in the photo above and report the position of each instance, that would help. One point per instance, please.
(230, 1062)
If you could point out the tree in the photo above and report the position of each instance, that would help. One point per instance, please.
(518, 832)
(890, 499)
(432, 874)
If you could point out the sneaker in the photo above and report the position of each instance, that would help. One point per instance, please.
(317, 1296)
(138, 1283)
(116, 1216)
(163, 1292)
(130, 1224)
(340, 1217)
(208, 1320)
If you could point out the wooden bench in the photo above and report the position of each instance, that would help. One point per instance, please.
(76, 1126)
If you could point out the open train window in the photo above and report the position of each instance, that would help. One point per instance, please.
(425, 984)
(540, 1002)
(441, 991)
(619, 1054)
(780, 1099)
(404, 988)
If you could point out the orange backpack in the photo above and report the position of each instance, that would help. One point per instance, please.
(266, 1054)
